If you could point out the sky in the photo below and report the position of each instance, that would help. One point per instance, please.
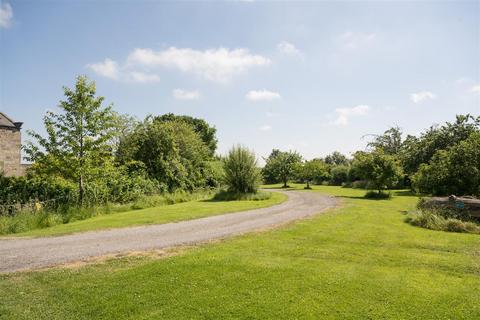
(308, 76)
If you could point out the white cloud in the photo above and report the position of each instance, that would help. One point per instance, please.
(475, 88)
(265, 127)
(213, 64)
(110, 69)
(181, 94)
(141, 77)
(288, 48)
(344, 114)
(6, 15)
(262, 95)
(422, 96)
(354, 40)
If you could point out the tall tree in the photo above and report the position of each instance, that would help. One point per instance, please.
(390, 141)
(336, 158)
(76, 146)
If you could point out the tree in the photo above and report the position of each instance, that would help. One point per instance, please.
(313, 170)
(379, 169)
(268, 171)
(336, 158)
(76, 147)
(390, 141)
(452, 171)
(172, 152)
(339, 174)
(206, 132)
(418, 150)
(283, 165)
(241, 172)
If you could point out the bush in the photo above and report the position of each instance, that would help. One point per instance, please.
(377, 195)
(241, 172)
(339, 175)
(360, 184)
(231, 196)
(432, 219)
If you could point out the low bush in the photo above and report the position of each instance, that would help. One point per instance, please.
(434, 220)
(225, 195)
(377, 195)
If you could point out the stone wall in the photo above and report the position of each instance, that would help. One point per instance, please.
(10, 154)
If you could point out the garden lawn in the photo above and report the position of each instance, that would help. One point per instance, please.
(359, 261)
(156, 215)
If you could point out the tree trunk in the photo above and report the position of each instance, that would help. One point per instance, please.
(80, 190)
(308, 184)
(285, 183)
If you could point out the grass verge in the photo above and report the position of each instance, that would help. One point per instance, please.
(157, 215)
(360, 261)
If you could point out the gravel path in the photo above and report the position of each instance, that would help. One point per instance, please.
(21, 254)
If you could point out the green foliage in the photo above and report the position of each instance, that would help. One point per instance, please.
(379, 169)
(390, 141)
(282, 166)
(200, 126)
(452, 171)
(336, 158)
(22, 191)
(339, 174)
(417, 151)
(313, 171)
(241, 172)
(76, 147)
(269, 175)
(172, 152)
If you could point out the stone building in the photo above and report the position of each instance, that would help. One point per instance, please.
(10, 147)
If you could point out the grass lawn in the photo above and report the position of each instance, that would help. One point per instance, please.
(360, 261)
(156, 215)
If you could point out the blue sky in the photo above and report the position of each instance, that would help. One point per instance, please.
(312, 76)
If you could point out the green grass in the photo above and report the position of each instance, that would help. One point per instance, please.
(156, 215)
(360, 261)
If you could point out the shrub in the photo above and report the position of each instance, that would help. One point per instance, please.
(231, 196)
(241, 172)
(377, 195)
(432, 219)
(339, 175)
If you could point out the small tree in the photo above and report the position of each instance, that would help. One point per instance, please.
(241, 172)
(379, 169)
(77, 144)
(313, 170)
(284, 165)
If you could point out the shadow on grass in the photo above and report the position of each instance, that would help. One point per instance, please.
(363, 198)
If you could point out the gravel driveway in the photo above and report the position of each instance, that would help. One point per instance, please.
(21, 254)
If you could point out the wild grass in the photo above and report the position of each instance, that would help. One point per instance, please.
(31, 220)
(378, 195)
(224, 195)
(431, 219)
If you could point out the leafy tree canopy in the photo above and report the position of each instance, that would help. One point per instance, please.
(282, 165)
(76, 146)
(172, 152)
(206, 132)
(336, 158)
(379, 169)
